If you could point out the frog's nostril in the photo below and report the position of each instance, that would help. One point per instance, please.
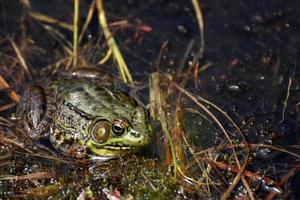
(135, 134)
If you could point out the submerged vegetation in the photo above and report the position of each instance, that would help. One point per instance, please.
(201, 150)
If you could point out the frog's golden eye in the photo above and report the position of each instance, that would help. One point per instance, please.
(119, 127)
(100, 131)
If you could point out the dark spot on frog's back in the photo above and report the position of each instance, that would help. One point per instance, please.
(78, 89)
(68, 141)
(94, 108)
(57, 136)
(99, 90)
(86, 94)
(102, 92)
(133, 115)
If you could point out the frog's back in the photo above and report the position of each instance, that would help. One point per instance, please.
(94, 99)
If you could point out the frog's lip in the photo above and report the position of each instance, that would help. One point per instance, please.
(102, 158)
(111, 147)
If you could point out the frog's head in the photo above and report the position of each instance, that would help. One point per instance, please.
(117, 124)
(103, 123)
(114, 134)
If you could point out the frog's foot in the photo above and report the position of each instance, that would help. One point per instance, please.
(35, 113)
(77, 151)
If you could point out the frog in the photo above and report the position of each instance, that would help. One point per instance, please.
(83, 119)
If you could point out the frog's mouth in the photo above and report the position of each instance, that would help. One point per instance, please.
(116, 147)
(113, 149)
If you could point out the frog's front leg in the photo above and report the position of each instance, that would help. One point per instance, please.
(36, 111)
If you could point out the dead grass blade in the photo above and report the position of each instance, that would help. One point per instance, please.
(87, 21)
(178, 132)
(121, 64)
(106, 57)
(21, 58)
(252, 146)
(33, 176)
(8, 106)
(6, 122)
(7, 141)
(75, 33)
(243, 167)
(199, 17)
(285, 102)
(50, 20)
(44, 192)
(157, 110)
(4, 85)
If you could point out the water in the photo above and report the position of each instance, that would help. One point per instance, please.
(252, 49)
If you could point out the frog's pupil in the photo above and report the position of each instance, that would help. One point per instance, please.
(118, 130)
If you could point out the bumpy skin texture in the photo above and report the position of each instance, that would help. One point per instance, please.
(85, 119)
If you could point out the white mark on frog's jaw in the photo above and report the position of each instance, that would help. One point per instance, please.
(101, 158)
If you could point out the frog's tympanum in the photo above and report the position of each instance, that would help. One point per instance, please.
(83, 119)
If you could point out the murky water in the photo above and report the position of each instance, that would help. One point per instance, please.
(251, 50)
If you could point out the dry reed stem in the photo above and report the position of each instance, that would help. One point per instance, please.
(6, 122)
(157, 110)
(254, 176)
(44, 192)
(4, 85)
(7, 106)
(285, 102)
(200, 165)
(161, 50)
(33, 176)
(87, 21)
(232, 186)
(177, 133)
(199, 17)
(106, 57)
(21, 58)
(185, 56)
(61, 38)
(242, 168)
(49, 20)
(75, 33)
(13, 142)
(118, 57)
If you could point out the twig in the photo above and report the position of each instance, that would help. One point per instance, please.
(87, 21)
(6, 122)
(106, 57)
(242, 168)
(4, 85)
(229, 190)
(158, 112)
(161, 50)
(201, 29)
(185, 56)
(21, 58)
(47, 19)
(286, 100)
(5, 140)
(251, 146)
(7, 106)
(35, 176)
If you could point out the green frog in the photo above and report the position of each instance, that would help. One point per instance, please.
(83, 119)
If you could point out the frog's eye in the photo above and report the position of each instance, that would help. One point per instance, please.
(119, 127)
(100, 131)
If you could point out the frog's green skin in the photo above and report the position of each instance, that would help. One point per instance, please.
(83, 119)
